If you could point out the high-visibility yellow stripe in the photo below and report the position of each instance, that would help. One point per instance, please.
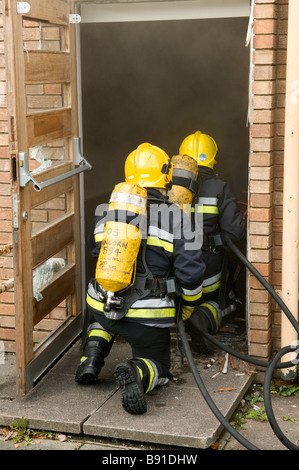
(100, 334)
(140, 372)
(96, 304)
(212, 287)
(151, 373)
(151, 313)
(99, 237)
(192, 298)
(212, 310)
(207, 210)
(137, 312)
(158, 242)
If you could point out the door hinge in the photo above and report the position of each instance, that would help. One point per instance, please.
(74, 18)
(23, 7)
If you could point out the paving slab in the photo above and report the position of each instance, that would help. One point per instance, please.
(177, 413)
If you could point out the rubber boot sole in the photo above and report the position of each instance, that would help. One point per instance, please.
(132, 394)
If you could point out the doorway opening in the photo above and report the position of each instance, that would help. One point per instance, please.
(157, 82)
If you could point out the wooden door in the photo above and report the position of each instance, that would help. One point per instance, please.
(45, 162)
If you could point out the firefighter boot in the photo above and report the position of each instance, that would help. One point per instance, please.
(131, 376)
(203, 319)
(91, 363)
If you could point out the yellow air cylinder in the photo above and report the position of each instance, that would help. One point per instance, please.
(185, 172)
(115, 270)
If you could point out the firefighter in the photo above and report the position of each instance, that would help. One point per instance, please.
(215, 208)
(167, 271)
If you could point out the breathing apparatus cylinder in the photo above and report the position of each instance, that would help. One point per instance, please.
(184, 181)
(116, 264)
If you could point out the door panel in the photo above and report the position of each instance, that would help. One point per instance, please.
(42, 96)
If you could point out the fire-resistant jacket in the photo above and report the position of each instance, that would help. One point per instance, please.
(170, 251)
(217, 211)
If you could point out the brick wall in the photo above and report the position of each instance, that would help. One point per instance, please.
(7, 321)
(266, 170)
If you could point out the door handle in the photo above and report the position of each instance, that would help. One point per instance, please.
(25, 177)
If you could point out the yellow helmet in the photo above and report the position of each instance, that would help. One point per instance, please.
(201, 147)
(149, 166)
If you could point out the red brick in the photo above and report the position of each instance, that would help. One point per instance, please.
(260, 215)
(263, 268)
(259, 336)
(260, 241)
(266, 87)
(262, 116)
(261, 159)
(264, 72)
(261, 173)
(265, 41)
(261, 200)
(261, 26)
(262, 130)
(267, 11)
(260, 323)
(260, 350)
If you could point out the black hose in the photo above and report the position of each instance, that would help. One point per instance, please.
(206, 394)
(262, 280)
(267, 398)
(270, 366)
(243, 357)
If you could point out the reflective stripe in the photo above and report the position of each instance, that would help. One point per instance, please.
(96, 304)
(207, 210)
(211, 284)
(213, 307)
(100, 334)
(151, 313)
(98, 237)
(140, 372)
(100, 227)
(211, 280)
(192, 298)
(154, 303)
(152, 373)
(160, 233)
(142, 313)
(161, 243)
(207, 205)
(212, 287)
(128, 198)
(192, 295)
(187, 312)
(208, 201)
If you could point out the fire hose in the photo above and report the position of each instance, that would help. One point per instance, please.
(269, 365)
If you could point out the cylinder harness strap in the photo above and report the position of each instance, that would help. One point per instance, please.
(185, 178)
(212, 243)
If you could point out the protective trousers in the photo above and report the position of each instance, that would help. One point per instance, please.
(150, 346)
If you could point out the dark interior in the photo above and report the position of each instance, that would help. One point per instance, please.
(157, 82)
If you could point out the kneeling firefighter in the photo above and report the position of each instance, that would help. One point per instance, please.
(215, 210)
(166, 265)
